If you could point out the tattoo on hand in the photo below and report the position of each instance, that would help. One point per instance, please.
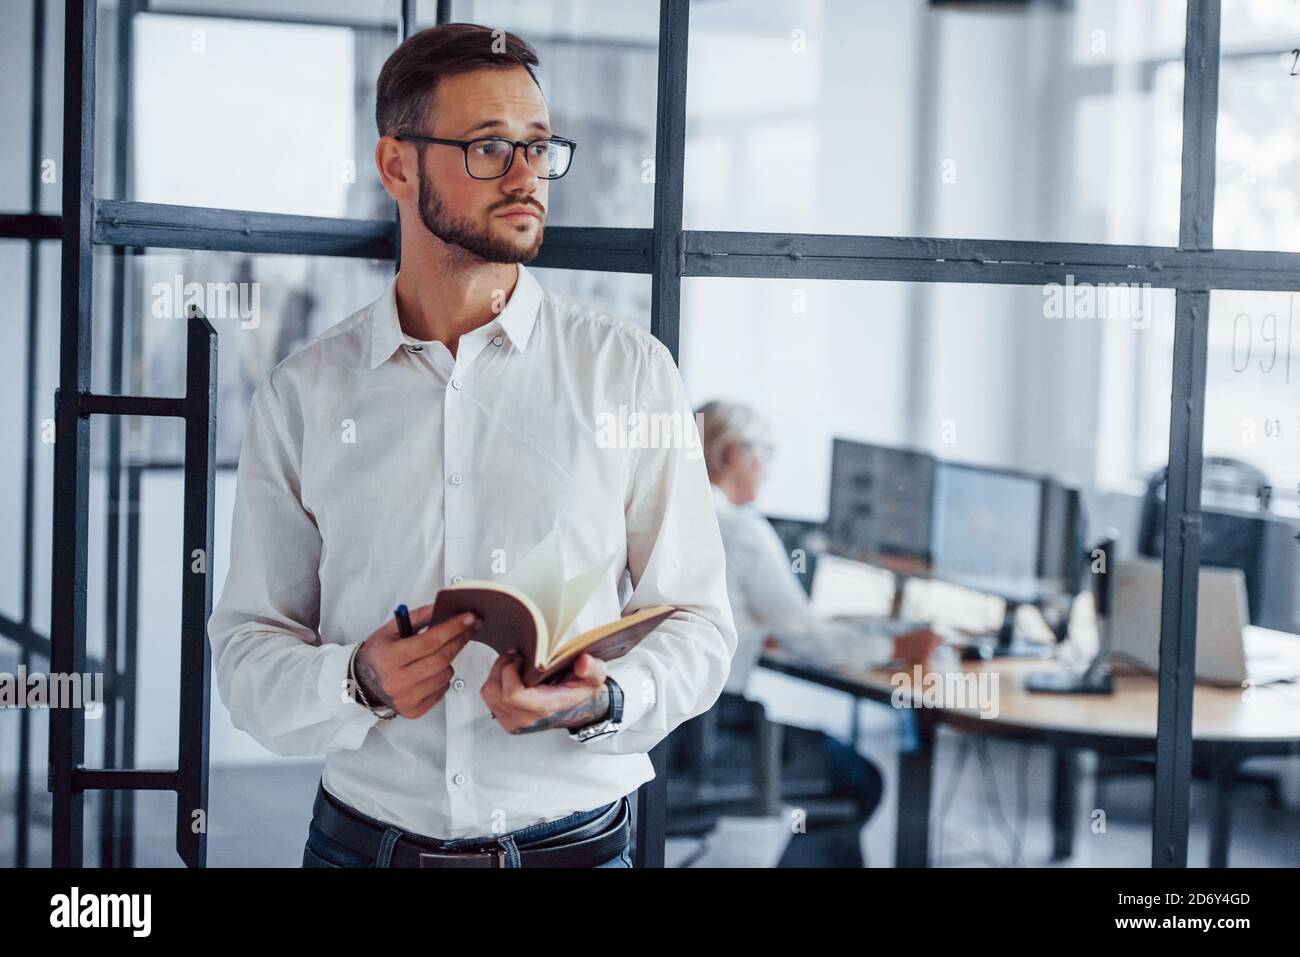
(589, 712)
(370, 683)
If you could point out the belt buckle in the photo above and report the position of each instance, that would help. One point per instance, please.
(495, 858)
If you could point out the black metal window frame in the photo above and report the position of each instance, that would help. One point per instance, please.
(667, 253)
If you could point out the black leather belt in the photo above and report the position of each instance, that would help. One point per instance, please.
(586, 845)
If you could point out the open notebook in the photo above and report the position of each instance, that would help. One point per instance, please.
(532, 608)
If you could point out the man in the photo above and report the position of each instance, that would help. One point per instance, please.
(437, 436)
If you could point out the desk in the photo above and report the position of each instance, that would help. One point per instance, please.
(1226, 730)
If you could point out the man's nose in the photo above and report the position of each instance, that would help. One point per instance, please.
(520, 174)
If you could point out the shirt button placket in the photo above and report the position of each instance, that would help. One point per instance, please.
(456, 706)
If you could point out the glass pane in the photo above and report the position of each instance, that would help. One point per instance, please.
(15, 451)
(971, 444)
(598, 69)
(19, 157)
(623, 295)
(1252, 445)
(1025, 122)
(16, 47)
(20, 447)
(1257, 23)
(40, 801)
(1255, 200)
(263, 308)
(147, 508)
(10, 659)
(26, 444)
(368, 13)
(204, 130)
(1248, 607)
(16, 53)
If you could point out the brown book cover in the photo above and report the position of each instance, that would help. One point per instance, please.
(509, 624)
(532, 608)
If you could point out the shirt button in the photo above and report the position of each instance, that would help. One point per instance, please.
(459, 779)
(456, 479)
(456, 579)
(455, 383)
(458, 684)
(415, 348)
(496, 340)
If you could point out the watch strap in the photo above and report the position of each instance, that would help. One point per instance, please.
(613, 720)
(615, 700)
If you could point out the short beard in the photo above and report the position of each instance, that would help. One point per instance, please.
(480, 244)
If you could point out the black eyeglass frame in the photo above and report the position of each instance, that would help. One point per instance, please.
(514, 144)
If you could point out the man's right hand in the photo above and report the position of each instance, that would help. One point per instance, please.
(410, 675)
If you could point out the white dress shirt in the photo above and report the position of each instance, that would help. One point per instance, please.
(767, 599)
(376, 470)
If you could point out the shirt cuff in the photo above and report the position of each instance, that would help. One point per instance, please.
(639, 689)
(332, 687)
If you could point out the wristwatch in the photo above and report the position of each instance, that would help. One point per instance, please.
(384, 711)
(611, 723)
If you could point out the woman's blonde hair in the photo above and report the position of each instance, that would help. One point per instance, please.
(724, 424)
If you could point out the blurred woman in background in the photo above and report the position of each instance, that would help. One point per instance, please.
(772, 609)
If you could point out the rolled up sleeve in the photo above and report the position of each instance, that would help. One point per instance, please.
(282, 684)
(674, 557)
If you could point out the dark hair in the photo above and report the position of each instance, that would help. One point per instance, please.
(410, 75)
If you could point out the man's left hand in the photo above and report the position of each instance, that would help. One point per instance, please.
(580, 699)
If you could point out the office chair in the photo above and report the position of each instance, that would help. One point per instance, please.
(697, 799)
(704, 786)
(1225, 483)
(1235, 529)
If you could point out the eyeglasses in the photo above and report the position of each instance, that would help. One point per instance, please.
(491, 157)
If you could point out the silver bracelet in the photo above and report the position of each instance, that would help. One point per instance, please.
(359, 693)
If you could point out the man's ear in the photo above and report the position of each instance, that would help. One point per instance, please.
(395, 172)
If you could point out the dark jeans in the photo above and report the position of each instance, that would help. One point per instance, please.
(321, 851)
(814, 767)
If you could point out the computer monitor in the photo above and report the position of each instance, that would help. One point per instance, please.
(880, 501)
(1062, 552)
(1007, 533)
(987, 522)
(796, 536)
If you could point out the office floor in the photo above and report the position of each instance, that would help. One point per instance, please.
(998, 815)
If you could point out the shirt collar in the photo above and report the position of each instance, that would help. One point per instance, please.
(516, 319)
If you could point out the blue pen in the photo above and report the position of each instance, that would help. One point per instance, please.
(404, 629)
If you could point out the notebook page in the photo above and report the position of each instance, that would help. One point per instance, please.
(539, 575)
